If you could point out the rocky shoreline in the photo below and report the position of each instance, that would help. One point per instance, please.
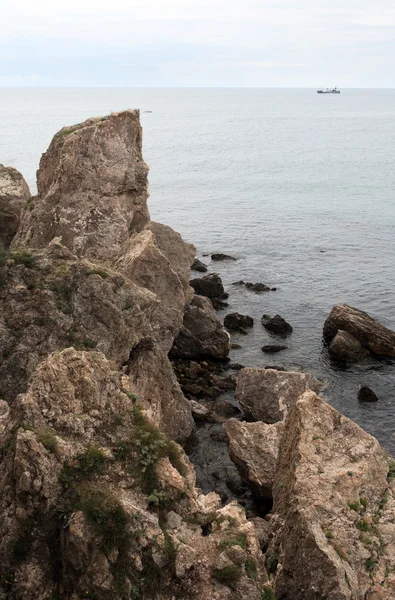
(137, 461)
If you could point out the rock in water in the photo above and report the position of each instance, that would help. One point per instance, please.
(267, 394)
(257, 287)
(92, 188)
(14, 196)
(272, 348)
(209, 286)
(219, 257)
(370, 333)
(334, 509)
(276, 325)
(237, 322)
(365, 394)
(345, 347)
(202, 334)
(199, 266)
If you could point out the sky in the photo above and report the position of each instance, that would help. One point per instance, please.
(197, 43)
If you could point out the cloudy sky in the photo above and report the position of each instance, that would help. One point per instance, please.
(295, 43)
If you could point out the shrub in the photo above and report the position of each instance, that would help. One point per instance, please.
(103, 274)
(83, 466)
(272, 562)
(354, 506)
(251, 568)
(48, 440)
(267, 593)
(228, 575)
(21, 257)
(237, 540)
(363, 525)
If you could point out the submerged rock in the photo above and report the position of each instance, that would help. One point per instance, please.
(219, 257)
(365, 394)
(267, 394)
(370, 333)
(346, 348)
(238, 322)
(198, 265)
(276, 325)
(257, 287)
(273, 348)
(14, 196)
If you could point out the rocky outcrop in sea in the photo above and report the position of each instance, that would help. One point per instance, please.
(110, 361)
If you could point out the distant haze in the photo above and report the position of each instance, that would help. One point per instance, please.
(254, 43)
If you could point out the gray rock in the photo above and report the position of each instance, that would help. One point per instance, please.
(276, 325)
(238, 322)
(345, 347)
(14, 196)
(272, 348)
(199, 266)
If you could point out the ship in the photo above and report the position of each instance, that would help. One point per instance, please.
(328, 91)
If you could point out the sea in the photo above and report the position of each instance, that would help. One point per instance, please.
(299, 187)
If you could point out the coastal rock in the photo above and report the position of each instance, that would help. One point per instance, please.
(202, 334)
(199, 266)
(253, 447)
(346, 348)
(238, 322)
(273, 348)
(370, 333)
(333, 505)
(365, 394)
(158, 259)
(220, 257)
(209, 286)
(257, 287)
(267, 394)
(276, 325)
(14, 195)
(92, 188)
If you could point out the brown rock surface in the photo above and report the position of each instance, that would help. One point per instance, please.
(92, 188)
(345, 347)
(14, 194)
(370, 333)
(202, 334)
(334, 505)
(253, 447)
(267, 394)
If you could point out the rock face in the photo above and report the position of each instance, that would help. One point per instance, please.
(14, 195)
(276, 325)
(370, 334)
(334, 505)
(238, 322)
(253, 447)
(92, 188)
(267, 394)
(346, 348)
(202, 334)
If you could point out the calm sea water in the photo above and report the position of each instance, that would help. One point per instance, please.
(273, 177)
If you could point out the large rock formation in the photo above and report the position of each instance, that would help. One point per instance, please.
(95, 502)
(267, 394)
(92, 188)
(334, 505)
(14, 195)
(370, 333)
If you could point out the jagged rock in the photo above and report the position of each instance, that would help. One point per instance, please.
(158, 259)
(50, 300)
(240, 282)
(92, 188)
(365, 394)
(73, 509)
(199, 266)
(272, 348)
(346, 348)
(238, 322)
(267, 394)
(209, 286)
(276, 325)
(253, 447)
(334, 509)
(257, 287)
(202, 334)
(219, 257)
(199, 412)
(14, 195)
(370, 333)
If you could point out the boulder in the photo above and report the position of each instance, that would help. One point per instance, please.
(346, 348)
(238, 322)
(276, 325)
(334, 509)
(209, 286)
(365, 394)
(199, 266)
(202, 334)
(370, 333)
(273, 348)
(267, 394)
(253, 447)
(257, 287)
(92, 188)
(220, 257)
(14, 196)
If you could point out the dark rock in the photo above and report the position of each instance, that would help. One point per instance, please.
(236, 346)
(198, 265)
(218, 304)
(275, 367)
(370, 333)
(241, 282)
(238, 322)
(272, 348)
(257, 287)
(273, 289)
(345, 347)
(209, 286)
(365, 394)
(205, 380)
(219, 257)
(234, 366)
(226, 409)
(276, 325)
